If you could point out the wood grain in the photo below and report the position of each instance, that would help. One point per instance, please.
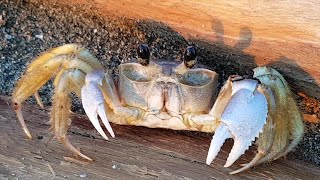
(135, 153)
(282, 34)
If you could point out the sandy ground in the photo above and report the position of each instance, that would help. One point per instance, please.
(27, 29)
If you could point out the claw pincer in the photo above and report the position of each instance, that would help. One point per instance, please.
(94, 103)
(242, 120)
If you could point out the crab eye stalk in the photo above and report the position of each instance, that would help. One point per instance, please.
(250, 75)
(143, 54)
(190, 57)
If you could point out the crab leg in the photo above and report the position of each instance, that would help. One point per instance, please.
(281, 122)
(287, 118)
(29, 84)
(32, 81)
(38, 99)
(294, 117)
(296, 126)
(44, 67)
(61, 108)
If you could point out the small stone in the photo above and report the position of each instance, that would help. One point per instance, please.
(7, 36)
(84, 175)
(39, 36)
(114, 166)
(2, 22)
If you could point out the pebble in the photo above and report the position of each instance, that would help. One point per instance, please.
(83, 175)
(40, 36)
(7, 36)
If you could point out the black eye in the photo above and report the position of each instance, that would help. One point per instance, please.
(143, 54)
(190, 56)
(250, 75)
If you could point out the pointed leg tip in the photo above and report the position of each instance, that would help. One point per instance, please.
(252, 163)
(239, 170)
(77, 161)
(235, 172)
(87, 158)
(242, 165)
(28, 135)
(68, 145)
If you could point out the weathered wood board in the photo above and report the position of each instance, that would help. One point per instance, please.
(135, 153)
(282, 34)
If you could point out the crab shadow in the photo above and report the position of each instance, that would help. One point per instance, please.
(228, 60)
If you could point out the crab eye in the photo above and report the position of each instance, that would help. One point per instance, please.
(143, 54)
(190, 56)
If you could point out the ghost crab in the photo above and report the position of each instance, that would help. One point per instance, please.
(168, 94)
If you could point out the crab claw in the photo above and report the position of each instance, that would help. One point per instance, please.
(94, 103)
(242, 118)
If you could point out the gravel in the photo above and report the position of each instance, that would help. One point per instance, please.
(28, 28)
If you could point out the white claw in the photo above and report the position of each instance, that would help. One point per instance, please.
(239, 147)
(242, 119)
(245, 117)
(103, 116)
(95, 122)
(219, 137)
(93, 103)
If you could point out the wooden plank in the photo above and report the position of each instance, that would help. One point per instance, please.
(135, 153)
(282, 34)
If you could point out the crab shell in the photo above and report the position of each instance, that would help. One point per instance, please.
(157, 89)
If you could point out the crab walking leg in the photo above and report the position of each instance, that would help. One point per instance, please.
(33, 80)
(29, 84)
(67, 49)
(280, 117)
(296, 126)
(60, 113)
(243, 118)
(41, 70)
(38, 99)
(292, 116)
